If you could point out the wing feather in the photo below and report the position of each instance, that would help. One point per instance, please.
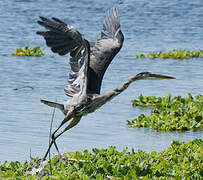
(105, 49)
(111, 25)
(87, 70)
(64, 39)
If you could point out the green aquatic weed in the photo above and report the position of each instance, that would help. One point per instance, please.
(27, 51)
(180, 161)
(169, 113)
(174, 54)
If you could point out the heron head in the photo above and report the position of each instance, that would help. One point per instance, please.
(152, 76)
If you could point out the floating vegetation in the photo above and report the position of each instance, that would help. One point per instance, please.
(179, 161)
(174, 54)
(22, 87)
(170, 114)
(27, 51)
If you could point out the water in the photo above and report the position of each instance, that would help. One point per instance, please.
(147, 25)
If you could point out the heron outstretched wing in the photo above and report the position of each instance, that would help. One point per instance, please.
(105, 49)
(64, 39)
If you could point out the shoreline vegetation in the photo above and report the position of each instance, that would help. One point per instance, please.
(170, 114)
(182, 160)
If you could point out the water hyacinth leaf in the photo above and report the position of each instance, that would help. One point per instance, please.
(169, 113)
(174, 54)
(27, 51)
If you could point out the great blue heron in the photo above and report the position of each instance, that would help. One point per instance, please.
(88, 62)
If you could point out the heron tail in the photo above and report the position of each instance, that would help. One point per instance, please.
(53, 104)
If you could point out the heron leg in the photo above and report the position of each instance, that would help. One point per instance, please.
(57, 149)
(67, 118)
(74, 122)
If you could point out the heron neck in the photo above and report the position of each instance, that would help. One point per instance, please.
(125, 85)
(111, 94)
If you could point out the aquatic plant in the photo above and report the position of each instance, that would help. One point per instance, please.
(169, 113)
(180, 161)
(174, 54)
(27, 51)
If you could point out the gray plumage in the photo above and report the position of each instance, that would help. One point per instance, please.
(64, 39)
(88, 62)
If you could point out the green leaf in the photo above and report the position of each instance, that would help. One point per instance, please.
(36, 51)
(170, 114)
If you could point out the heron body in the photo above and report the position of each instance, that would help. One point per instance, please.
(88, 62)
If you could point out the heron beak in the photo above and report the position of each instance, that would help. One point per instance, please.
(160, 76)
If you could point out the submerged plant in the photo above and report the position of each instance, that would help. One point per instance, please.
(179, 161)
(174, 54)
(169, 113)
(27, 51)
